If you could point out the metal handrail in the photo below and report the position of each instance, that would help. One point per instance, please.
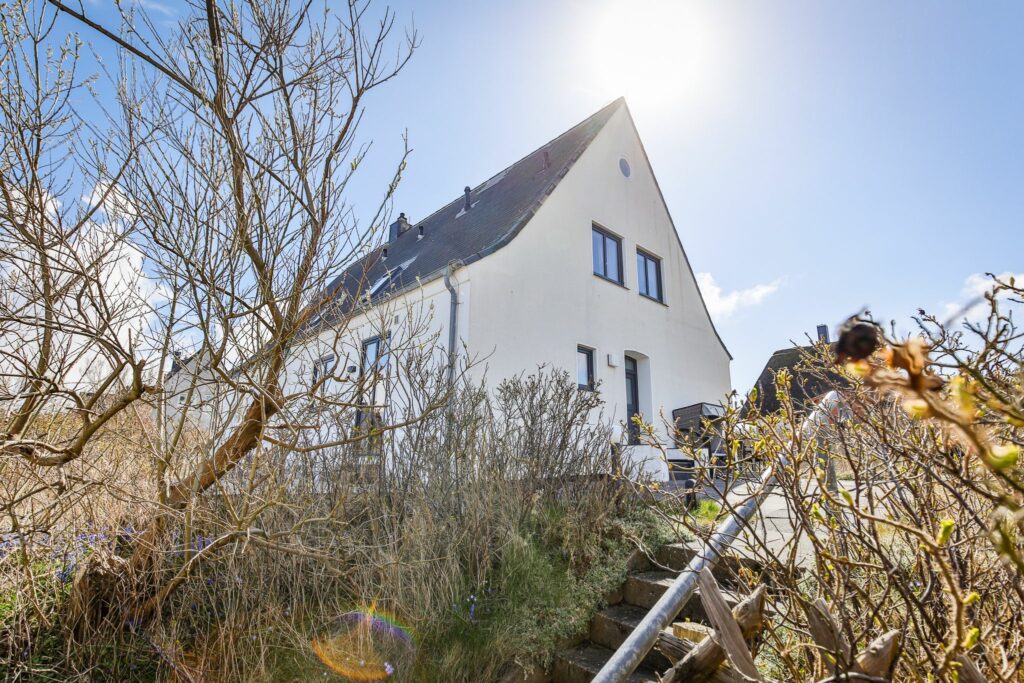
(636, 646)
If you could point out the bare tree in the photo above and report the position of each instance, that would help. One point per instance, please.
(157, 335)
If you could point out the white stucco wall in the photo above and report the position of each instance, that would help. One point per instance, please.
(534, 300)
(537, 298)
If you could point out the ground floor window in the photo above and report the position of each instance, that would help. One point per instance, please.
(324, 366)
(585, 367)
(372, 366)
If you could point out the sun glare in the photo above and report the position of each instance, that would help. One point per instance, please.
(655, 52)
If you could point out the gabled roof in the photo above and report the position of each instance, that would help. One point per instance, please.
(501, 206)
(808, 383)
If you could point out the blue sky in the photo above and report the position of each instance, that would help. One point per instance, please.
(816, 157)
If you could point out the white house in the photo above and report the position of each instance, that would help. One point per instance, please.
(568, 258)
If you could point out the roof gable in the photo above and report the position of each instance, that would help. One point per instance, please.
(501, 206)
(675, 231)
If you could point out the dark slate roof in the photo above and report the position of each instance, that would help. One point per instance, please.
(501, 206)
(806, 387)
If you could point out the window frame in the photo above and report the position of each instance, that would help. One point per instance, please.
(381, 340)
(607, 236)
(641, 284)
(364, 404)
(631, 371)
(589, 353)
(324, 366)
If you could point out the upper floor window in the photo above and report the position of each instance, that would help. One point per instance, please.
(648, 275)
(584, 367)
(607, 255)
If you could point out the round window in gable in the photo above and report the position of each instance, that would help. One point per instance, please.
(624, 167)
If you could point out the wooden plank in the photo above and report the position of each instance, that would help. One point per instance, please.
(688, 630)
(826, 632)
(727, 631)
(880, 656)
(703, 662)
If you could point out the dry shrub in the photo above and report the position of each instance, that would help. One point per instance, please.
(492, 530)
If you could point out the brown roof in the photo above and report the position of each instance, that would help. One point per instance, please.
(810, 381)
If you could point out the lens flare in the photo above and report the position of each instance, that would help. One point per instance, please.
(367, 645)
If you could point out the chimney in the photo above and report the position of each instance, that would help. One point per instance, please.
(420, 236)
(469, 198)
(384, 254)
(398, 227)
(823, 333)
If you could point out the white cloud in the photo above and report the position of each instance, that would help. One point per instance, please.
(722, 305)
(971, 303)
(112, 200)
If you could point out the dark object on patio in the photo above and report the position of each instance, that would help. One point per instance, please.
(690, 493)
(689, 422)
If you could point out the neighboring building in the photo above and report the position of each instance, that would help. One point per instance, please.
(807, 384)
(569, 258)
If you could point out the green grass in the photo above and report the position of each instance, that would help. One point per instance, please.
(538, 599)
(706, 512)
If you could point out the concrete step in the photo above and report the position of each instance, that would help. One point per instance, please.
(581, 663)
(643, 589)
(677, 556)
(612, 625)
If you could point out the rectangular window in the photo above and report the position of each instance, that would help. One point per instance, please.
(585, 367)
(648, 275)
(372, 364)
(324, 366)
(632, 401)
(607, 255)
(375, 356)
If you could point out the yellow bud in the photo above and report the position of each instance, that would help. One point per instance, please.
(971, 638)
(945, 531)
(847, 496)
(858, 368)
(816, 513)
(972, 598)
(917, 408)
(1004, 455)
(961, 392)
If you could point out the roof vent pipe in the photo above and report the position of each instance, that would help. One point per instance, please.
(547, 160)
(384, 254)
(469, 198)
(420, 236)
(823, 333)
